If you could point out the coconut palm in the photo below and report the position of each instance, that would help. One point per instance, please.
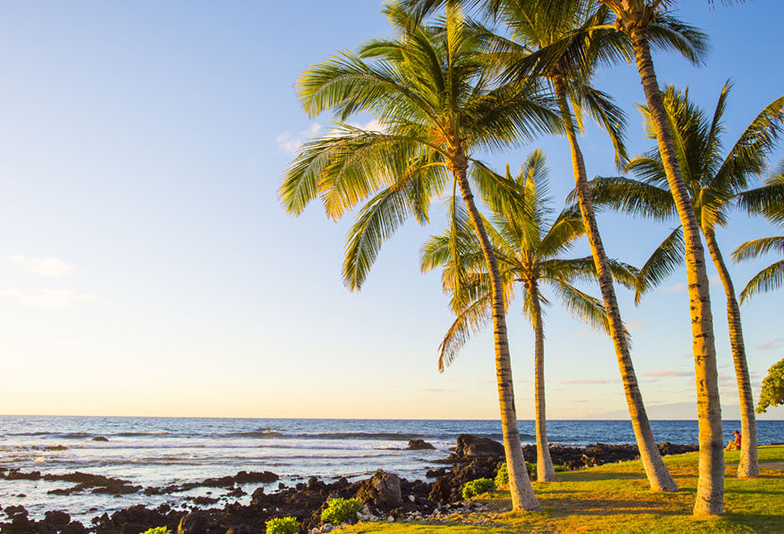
(643, 21)
(529, 252)
(561, 42)
(713, 183)
(767, 200)
(437, 106)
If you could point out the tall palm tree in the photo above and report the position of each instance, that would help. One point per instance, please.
(767, 200)
(438, 107)
(713, 183)
(529, 252)
(562, 42)
(643, 20)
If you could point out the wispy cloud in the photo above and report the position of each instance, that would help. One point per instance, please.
(437, 390)
(636, 325)
(677, 288)
(666, 373)
(290, 143)
(47, 298)
(772, 344)
(592, 381)
(49, 267)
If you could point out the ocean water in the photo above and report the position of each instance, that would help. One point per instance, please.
(152, 452)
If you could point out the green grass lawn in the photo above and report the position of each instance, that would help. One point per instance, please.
(615, 498)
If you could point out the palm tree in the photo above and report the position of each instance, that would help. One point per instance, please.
(529, 254)
(713, 183)
(643, 21)
(437, 106)
(562, 41)
(767, 200)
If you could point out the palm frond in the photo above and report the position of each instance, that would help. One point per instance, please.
(632, 197)
(768, 279)
(667, 257)
(758, 247)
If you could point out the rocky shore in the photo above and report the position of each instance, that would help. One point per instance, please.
(385, 496)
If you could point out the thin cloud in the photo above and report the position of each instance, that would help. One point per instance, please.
(291, 143)
(49, 267)
(436, 390)
(666, 373)
(592, 381)
(636, 325)
(47, 298)
(772, 344)
(677, 288)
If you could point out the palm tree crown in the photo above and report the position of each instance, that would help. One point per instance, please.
(438, 106)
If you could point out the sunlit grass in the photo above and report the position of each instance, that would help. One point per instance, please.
(616, 498)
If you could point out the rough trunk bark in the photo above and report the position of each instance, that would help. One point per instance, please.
(710, 486)
(545, 472)
(519, 483)
(658, 475)
(749, 464)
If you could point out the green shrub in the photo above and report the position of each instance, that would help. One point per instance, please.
(157, 530)
(477, 487)
(340, 511)
(560, 468)
(282, 525)
(531, 468)
(502, 476)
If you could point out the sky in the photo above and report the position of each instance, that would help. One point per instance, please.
(148, 269)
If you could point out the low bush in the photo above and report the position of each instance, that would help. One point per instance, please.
(477, 487)
(157, 530)
(340, 511)
(502, 476)
(282, 525)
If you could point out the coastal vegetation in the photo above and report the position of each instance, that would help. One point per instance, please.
(462, 79)
(772, 393)
(614, 498)
(715, 183)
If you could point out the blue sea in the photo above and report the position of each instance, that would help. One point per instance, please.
(163, 451)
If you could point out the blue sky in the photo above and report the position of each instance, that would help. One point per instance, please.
(147, 268)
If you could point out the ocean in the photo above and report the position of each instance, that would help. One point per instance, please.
(156, 452)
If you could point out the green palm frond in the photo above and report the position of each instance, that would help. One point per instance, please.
(667, 257)
(767, 200)
(582, 306)
(470, 321)
(632, 197)
(768, 279)
(758, 247)
(749, 155)
(671, 34)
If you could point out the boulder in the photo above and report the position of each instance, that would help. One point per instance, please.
(419, 445)
(381, 491)
(469, 446)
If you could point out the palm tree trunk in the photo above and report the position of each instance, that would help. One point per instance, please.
(710, 486)
(519, 483)
(658, 476)
(749, 464)
(544, 464)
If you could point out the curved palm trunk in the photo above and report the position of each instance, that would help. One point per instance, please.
(749, 464)
(710, 486)
(544, 464)
(519, 483)
(658, 476)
